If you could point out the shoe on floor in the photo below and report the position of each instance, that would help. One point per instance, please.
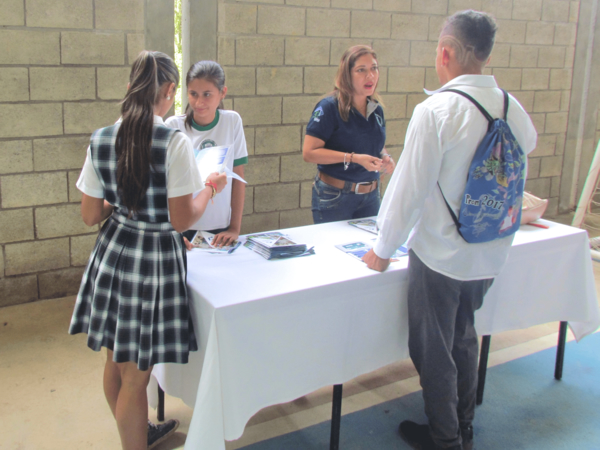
(161, 432)
(418, 437)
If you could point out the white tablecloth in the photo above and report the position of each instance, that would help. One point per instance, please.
(272, 331)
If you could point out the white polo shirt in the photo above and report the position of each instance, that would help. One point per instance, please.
(441, 139)
(225, 130)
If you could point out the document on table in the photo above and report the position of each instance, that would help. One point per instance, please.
(359, 249)
(203, 242)
(369, 225)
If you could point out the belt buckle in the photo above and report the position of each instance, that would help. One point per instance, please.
(358, 184)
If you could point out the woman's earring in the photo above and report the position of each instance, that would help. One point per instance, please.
(168, 97)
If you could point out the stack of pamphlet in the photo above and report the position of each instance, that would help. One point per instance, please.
(276, 245)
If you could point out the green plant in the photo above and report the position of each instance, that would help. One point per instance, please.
(178, 57)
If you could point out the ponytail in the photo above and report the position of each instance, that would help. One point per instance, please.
(204, 70)
(134, 139)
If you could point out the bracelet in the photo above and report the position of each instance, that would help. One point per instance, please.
(213, 185)
(347, 164)
(351, 156)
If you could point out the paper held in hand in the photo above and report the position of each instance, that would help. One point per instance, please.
(212, 159)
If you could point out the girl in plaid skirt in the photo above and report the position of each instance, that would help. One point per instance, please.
(141, 176)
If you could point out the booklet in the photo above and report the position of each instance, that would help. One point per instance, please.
(213, 159)
(369, 225)
(359, 249)
(203, 242)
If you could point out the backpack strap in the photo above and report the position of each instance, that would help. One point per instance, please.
(481, 108)
(505, 104)
(454, 218)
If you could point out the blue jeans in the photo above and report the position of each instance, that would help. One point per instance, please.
(330, 204)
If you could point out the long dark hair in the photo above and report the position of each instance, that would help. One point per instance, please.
(134, 139)
(204, 70)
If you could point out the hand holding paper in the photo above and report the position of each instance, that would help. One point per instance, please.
(220, 180)
(212, 159)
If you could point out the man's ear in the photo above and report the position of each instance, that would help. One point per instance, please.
(445, 56)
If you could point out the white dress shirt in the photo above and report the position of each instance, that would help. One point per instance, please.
(441, 140)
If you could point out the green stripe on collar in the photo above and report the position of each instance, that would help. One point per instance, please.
(210, 126)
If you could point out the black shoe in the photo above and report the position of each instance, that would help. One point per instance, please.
(467, 437)
(419, 438)
(161, 432)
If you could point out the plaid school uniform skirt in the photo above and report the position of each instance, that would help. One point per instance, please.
(133, 295)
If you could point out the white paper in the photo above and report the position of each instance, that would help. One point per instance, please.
(210, 160)
(232, 174)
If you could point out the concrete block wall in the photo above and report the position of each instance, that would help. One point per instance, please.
(64, 66)
(280, 56)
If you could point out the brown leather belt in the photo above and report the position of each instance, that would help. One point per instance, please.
(358, 188)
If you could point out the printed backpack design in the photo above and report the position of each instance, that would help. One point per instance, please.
(491, 206)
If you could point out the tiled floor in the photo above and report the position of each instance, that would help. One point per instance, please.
(51, 385)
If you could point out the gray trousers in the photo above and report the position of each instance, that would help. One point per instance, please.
(444, 347)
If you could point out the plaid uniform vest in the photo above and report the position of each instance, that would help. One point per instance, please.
(154, 205)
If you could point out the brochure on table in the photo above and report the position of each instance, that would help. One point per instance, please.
(358, 249)
(369, 225)
(276, 245)
(203, 242)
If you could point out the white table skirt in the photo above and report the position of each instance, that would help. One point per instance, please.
(272, 331)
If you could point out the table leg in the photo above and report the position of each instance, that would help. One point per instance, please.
(483, 361)
(336, 417)
(160, 409)
(560, 350)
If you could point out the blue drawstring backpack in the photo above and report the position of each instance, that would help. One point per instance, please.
(491, 205)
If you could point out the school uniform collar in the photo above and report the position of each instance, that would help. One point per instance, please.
(485, 81)
(210, 126)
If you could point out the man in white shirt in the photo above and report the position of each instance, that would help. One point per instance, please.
(448, 277)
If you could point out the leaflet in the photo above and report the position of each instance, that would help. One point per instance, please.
(359, 249)
(203, 242)
(210, 160)
(369, 225)
(232, 174)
